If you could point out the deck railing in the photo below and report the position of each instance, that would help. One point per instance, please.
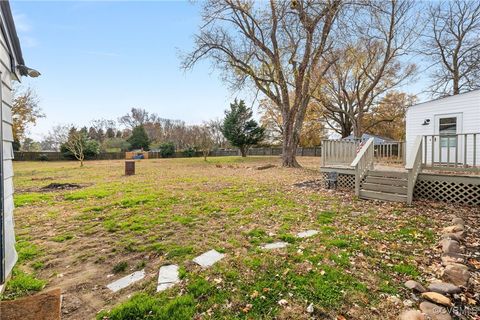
(362, 163)
(390, 152)
(338, 152)
(456, 152)
(414, 167)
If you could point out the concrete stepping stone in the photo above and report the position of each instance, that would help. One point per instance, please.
(307, 234)
(167, 277)
(126, 281)
(208, 258)
(274, 245)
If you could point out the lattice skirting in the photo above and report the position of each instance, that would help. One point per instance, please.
(452, 189)
(344, 181)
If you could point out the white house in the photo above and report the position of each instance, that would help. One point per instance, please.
(451, 127)
(12, 67)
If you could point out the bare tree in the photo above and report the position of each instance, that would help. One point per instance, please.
(453, 44)
(275, 47)
(364, 70)
(205, 140)
(136, 117)
(75, 143)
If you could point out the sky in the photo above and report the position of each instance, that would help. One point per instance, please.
(99, 59)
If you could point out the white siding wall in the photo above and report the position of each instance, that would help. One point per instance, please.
(467, 104)
(6, 87)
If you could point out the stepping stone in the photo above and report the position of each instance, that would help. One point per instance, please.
(167, 277)
(275, 245)
(208, 258)
(306, 234)
(126, 281)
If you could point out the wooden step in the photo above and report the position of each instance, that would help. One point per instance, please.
(387, 174)
(386, 181)
(375, 195)
(384, 188)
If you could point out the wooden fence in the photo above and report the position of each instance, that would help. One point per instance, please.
(58, 156)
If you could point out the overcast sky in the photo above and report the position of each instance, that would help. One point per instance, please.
(100, 58)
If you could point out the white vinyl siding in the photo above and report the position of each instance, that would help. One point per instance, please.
(465, 106)
(6, 87)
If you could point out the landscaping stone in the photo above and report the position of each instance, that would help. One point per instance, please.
(209, 258)
(411, 315)
(167, 277)
(126, 281)
(414, 285)
(452, 258)
(306, 234)
(437, 298)
(456, 275)
(444, 288)
(274, 245)
(434, 311)
(451, 246)
(453, 229)
(458, 236)
(458, 221)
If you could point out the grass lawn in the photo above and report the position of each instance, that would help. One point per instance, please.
(175, 209)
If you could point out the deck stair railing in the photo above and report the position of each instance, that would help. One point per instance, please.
(362, 163)
(452, 152)
(414, 167)
(339, 152)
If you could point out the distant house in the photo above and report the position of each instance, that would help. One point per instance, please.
(12, 67)
(450, 127)
(377, 140)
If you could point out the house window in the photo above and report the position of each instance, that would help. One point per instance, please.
(448, 132)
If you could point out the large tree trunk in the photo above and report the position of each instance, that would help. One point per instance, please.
(243, 151)
(357, 126)
(290, 143)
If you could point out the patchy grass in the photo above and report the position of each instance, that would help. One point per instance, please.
(22, 284)
(175, 209)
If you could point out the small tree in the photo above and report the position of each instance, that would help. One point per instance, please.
(205, 140)
(139, 138)
(79, 146)
(240, 129)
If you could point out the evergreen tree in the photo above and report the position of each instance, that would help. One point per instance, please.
(139, 138)
(240, 129)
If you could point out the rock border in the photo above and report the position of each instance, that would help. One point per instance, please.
(437, 296)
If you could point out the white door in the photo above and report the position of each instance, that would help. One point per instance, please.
(448, 143)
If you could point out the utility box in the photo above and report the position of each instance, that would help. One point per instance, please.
(129, 167)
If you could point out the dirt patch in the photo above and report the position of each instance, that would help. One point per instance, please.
(61, 186)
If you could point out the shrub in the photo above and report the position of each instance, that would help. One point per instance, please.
(120, 267)
(190, 152)
(43, 157)
(167, 149)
